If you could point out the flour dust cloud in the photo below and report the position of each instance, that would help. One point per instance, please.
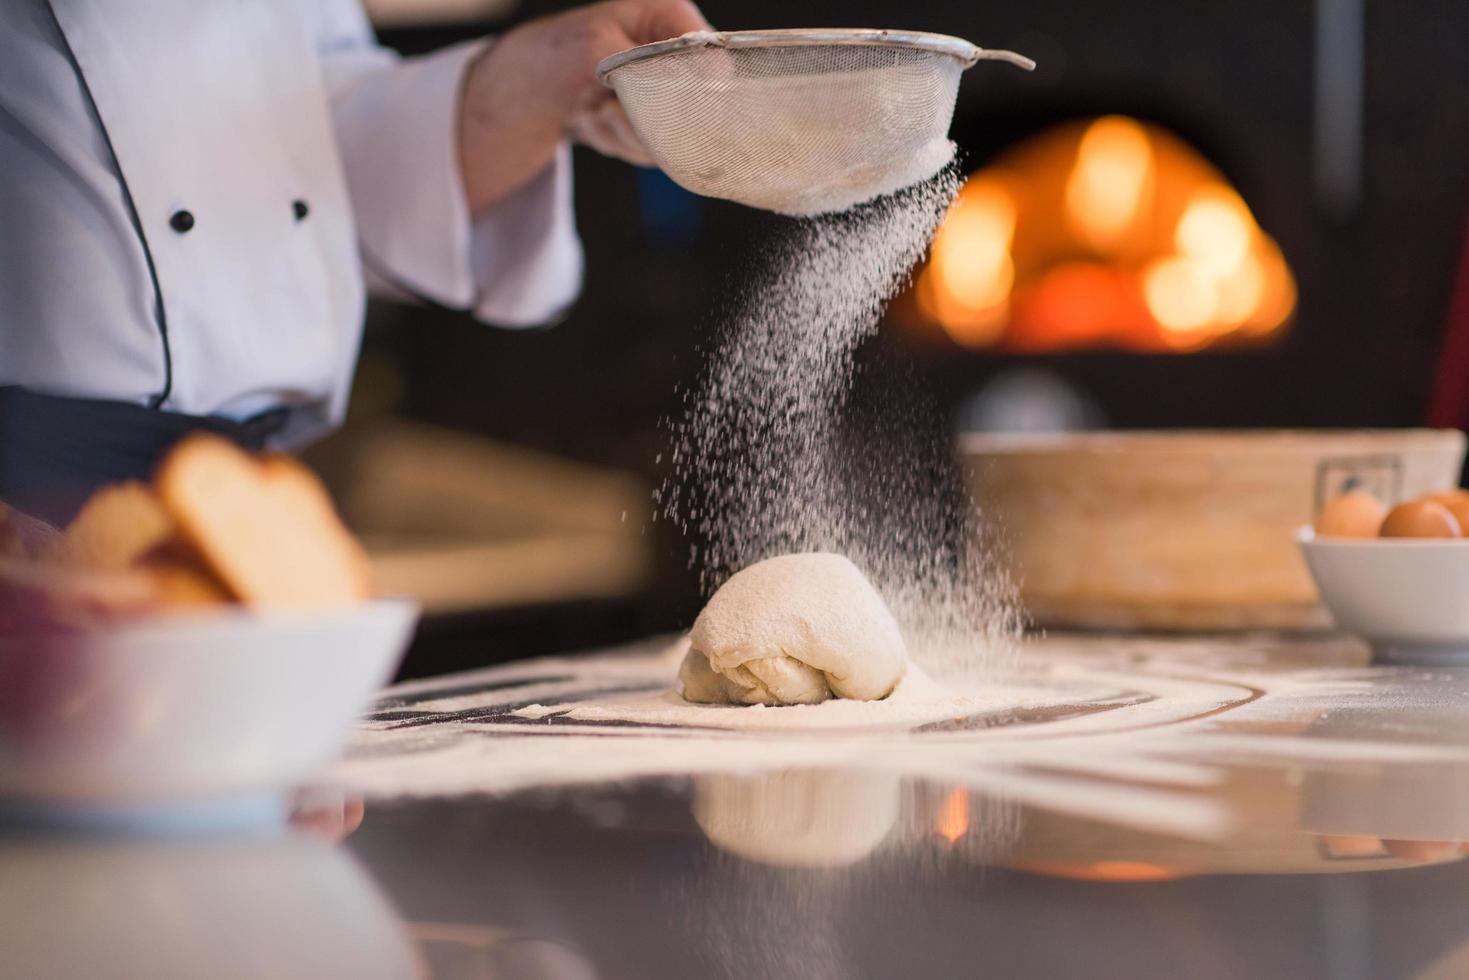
(774, 454)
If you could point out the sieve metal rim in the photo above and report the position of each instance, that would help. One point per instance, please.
(957, 48)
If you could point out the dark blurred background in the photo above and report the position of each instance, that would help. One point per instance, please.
(1343, 125)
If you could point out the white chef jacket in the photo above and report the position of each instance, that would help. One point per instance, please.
(190, 191)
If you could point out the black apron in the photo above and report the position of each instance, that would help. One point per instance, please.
(54, 452)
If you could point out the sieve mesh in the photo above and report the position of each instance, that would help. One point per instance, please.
(799, 128)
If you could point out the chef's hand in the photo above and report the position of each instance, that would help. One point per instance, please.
(537, 85)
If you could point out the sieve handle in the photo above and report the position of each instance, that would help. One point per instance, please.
(995, 54)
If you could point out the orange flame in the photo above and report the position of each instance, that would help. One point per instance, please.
(972, 270)
(953, 821)
(1110, 183)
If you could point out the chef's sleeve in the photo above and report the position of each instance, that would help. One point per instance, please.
(396, 122)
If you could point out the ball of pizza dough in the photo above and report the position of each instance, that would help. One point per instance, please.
(797, 629)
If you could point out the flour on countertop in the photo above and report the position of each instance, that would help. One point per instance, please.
(917, 700)
(1126, 730)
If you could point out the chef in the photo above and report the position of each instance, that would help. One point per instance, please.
(195, 199)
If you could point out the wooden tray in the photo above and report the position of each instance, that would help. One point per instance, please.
(1184, 530)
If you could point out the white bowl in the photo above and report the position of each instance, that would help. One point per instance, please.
(190, 711)
(1408, 597)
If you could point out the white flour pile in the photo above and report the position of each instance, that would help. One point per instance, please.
(771, 457)
(917, 700)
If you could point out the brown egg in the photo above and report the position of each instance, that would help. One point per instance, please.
(1460, 512)
(1457, 501)
(1454, 495)
(1420, 519)
(1355, 514)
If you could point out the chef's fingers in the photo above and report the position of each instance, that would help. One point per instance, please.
(635, 22)
(607, 130)
(645, 21)
(614, 116)
(588, 129)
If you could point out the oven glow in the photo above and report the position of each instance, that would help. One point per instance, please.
(1107, 233)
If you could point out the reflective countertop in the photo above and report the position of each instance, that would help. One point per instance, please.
(1127, 807)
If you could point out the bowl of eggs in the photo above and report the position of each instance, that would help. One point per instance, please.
(1397, 577)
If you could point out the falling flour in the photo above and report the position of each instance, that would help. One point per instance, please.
(773, 454)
